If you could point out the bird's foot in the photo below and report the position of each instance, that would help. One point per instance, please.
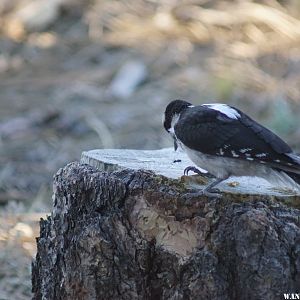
(208, 193)
(192, 168)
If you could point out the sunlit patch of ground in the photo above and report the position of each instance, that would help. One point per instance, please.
(17, 249)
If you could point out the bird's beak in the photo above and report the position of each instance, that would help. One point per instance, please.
(175, 145)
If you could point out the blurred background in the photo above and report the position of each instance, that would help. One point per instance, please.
(78, 75)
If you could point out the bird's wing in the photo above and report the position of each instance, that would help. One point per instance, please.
(212, 132)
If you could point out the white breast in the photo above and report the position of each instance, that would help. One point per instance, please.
(222, 167)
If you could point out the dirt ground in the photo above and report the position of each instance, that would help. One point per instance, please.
(79, 75)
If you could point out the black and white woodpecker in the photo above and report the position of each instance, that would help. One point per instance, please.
(226, 142)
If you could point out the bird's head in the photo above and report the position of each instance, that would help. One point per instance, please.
(172, 112)
(171, 116)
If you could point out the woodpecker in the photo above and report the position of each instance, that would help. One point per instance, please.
(226, 142)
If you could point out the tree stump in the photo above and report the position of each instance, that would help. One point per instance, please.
(123, 228)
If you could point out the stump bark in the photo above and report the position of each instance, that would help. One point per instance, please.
(120, 232)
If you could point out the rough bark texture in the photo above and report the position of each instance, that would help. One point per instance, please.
(131, 234)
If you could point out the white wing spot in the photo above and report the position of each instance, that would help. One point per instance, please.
(226, 146)
(221, 151)
(224, 109)
(250, 158)
(248, 155)
(262, 162)
(245, 150)
(277, 160)
(234, 154)
(261, 155)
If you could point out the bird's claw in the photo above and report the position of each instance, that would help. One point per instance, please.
(191, 168)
